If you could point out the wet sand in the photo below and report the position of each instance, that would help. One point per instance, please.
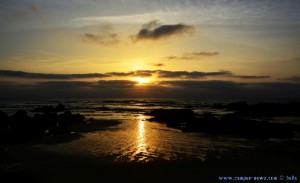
(41, 159)
(28, 162)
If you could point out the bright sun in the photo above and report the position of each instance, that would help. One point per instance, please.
(141, 80)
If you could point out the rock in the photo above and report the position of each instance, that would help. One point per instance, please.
(172, 117)
(68, 118)
(47, 109)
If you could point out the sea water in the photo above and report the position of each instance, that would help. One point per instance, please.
(136, 139)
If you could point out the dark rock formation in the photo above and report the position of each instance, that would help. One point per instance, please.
(172, 117)
(262, 109)
(230, 124)
(68, 118)
(20, 127)
(58, 108)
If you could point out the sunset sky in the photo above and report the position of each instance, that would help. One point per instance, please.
(142, 48)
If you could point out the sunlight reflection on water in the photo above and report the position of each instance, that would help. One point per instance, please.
(141, 152)
(138, 140)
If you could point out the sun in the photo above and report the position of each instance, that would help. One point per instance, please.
(141, 80)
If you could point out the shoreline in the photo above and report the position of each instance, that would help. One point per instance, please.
(51, 167)
(29, 161)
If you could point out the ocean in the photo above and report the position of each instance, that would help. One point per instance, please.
(136, 139)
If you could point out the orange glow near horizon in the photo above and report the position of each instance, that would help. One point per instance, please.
(141, 80)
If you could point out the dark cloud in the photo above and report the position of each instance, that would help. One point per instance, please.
(35, 8)
(154, 31)
(205, 53)
(20, 13)
(296, 60)
(292, 60)
(127, 88)
(197, 75)
(193, 55)
(102, 39)
(250, 77)
(180, 58)
(28, 75)
(138, 73)
(212, 84)
(116, 83)
(190, 75)
(217, 89)
(144, 73)
(121, 74)
(159, 65)
(294, 78)
(31, 8)
(49, 89)
(105, 36)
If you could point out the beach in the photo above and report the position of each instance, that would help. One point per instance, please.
(122, 143)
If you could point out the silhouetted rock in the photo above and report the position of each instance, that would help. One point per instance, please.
(4, 130)
(20, 121)
(262, 109)
(58, 130)
(240, 106)
(68, 118)
(242, 127)
(46, 120)
(20, 127)
(229, 124)
(46, 109)
(172, 117)
(3, 121)
(60, 107)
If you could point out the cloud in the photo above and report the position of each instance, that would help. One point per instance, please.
(102, 39)
(138, 73)
(212, 84)
(221, 89)
(154, 31)
(294, 78)
(105, 36)
(292, 60)
(23, 12)
(116, 83)
(190, 75)
(180, 58)
(35, 8)
(121, 74)
(193, 55)
(250, 77)
(127, 88)
(49, 89)
(159, 65)
(199, 75)
(28, 75)
(205, 53)
(20, 13)
(1, 6)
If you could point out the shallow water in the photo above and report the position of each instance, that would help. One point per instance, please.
(136, 139)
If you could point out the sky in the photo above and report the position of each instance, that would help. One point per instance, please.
(157, 48)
